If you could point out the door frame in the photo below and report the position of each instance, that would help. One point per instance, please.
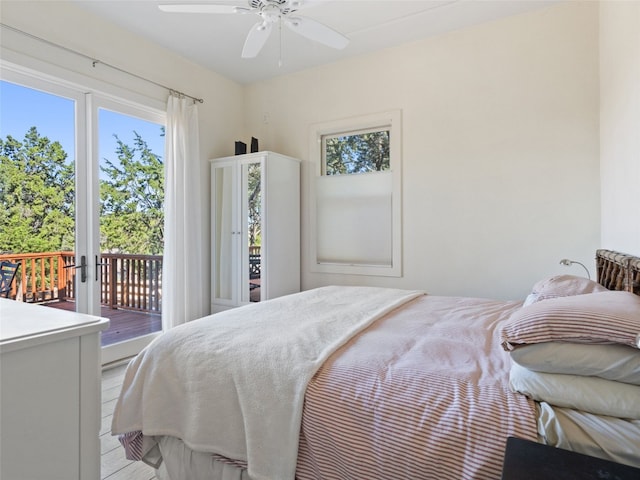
(87, 102)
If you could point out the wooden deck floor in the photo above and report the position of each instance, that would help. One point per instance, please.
(113, 464)
(124, 324)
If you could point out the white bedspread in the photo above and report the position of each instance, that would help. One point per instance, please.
(234, 383)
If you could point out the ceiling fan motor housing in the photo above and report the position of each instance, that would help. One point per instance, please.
(282, 6)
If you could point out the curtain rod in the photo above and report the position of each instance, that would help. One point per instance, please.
(95, 62)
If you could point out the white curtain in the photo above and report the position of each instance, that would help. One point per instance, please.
(182, 268)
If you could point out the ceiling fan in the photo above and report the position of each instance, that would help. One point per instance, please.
(270, 12)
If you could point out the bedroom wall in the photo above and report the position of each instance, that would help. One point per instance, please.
(500, 147)
(64, 24)
(620, 125)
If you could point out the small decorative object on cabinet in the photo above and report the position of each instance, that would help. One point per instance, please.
(49, 393)
(255, 228)
(241, 148)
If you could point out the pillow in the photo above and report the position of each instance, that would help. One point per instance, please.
(595, 435)
(606, 317)
(612, 362)
(562, 286)
(589, 394)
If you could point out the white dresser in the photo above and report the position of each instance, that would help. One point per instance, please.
(49, 393)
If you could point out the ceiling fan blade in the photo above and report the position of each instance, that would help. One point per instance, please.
(298, 4)
(256, 39)
(316, 31)
(201, 8)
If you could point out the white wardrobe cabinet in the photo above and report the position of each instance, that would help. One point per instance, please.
(255, 228)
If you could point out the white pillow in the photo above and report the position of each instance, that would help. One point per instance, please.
(589, 394)
(615, 439)
(612, 362)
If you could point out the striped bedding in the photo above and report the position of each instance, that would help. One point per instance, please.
(422, 393)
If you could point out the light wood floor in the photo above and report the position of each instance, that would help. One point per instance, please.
(114, 465)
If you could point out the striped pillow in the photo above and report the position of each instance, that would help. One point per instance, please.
(562, 286)
(606, 317)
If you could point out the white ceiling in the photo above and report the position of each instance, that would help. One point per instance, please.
(215, 41)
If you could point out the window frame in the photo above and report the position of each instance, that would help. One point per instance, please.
(389, 120)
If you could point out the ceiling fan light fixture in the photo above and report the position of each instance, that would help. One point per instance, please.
(271, 15)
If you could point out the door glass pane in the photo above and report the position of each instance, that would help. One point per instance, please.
(131, 177)
(254, 228)
(37, 193)
(224, 234)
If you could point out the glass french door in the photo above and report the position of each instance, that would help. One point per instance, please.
(128, 157)
(72, 163)
(47, 186)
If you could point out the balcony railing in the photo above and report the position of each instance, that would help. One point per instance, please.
(131, 282)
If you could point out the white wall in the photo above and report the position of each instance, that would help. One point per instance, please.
(500, 134)
(500, 147)
(59, 22)
(620, 125)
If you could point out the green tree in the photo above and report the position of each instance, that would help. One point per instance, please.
(36, 195)
(131, 200)
(359, 153)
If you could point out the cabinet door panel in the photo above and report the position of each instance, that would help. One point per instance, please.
(251, 239)
(40, 400)
(224, 232)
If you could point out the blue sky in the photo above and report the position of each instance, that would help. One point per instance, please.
(22, 108)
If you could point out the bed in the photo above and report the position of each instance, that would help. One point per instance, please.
(363, 382)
